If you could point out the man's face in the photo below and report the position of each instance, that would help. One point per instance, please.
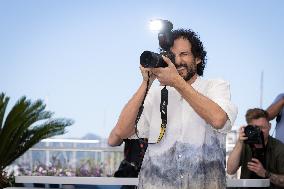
(185, 62)
(263, 124)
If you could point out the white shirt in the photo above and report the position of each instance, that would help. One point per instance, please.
(191, 153)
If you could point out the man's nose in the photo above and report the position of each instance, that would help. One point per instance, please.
(177, 60)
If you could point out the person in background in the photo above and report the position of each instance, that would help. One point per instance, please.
(276, 109)
(255, 162)
(134, 150)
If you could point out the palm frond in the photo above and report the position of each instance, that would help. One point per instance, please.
(34, 113)
(12, 122)
(3, 105)
(25, 125)
(32, 136)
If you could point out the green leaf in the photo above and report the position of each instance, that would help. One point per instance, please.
(3, 104)
(26, 124)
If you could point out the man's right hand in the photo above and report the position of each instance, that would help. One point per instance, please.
(242, 135)
(146, 72)
(233, 162)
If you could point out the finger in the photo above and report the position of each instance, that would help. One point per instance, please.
(152, 75)
(156, 71)
(252, 169)
(255, 160)
(252, 164)
(243, 138)
(242, 134)
(145, 69)
(242, 128)
(167, 60)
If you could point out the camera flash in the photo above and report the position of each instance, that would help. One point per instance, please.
(156, 25)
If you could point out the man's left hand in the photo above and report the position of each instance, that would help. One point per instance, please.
(256, 166)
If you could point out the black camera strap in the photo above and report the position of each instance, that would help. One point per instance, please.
(163, 110)
(140, 110)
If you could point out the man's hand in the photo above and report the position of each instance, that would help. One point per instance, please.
(256, 166)
(168, 75)
(146, 72)
(242, 135)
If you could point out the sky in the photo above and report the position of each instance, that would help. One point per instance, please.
(82, 57)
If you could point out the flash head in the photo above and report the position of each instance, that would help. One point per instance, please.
(160, 25)
(150, 59)
(164, 28)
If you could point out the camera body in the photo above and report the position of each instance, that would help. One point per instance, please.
(254, 134)
(150, 59)
(256, 143)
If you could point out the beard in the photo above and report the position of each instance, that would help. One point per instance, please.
(191, 70)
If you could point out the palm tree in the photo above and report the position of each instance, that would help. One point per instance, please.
(25, 125)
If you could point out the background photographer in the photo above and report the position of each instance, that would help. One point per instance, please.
(276, 110)
(272, 166)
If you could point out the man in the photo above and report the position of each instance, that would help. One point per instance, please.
(191, 154)
(272, 166)
(276, 109)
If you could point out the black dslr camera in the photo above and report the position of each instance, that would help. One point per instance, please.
(256, 143)
(254, 134)
(150, 59)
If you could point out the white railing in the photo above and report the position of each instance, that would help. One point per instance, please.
(72, 154)
(124, 181)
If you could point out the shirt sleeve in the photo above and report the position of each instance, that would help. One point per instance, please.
(278, 97)
(219, 92)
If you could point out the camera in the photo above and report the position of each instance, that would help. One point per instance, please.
(256, 142)
(254, 134)
(150, 59)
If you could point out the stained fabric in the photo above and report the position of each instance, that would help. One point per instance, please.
(191, 153)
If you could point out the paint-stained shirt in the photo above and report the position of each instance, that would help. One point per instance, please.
(192, 153)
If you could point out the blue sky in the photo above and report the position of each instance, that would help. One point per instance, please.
(82, 57)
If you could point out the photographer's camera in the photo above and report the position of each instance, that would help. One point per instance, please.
(254, 134)
(150, 59)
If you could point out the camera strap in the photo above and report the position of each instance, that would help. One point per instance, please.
(140, 110)
(163, 110)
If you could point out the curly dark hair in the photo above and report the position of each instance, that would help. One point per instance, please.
(256, 113)
(197, 48)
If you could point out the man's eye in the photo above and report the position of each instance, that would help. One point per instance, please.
(184, 54)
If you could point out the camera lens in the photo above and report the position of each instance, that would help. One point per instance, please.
(253, 133)
(150, 59)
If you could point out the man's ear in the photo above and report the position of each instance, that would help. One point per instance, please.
(197, 60)
(269, 126)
